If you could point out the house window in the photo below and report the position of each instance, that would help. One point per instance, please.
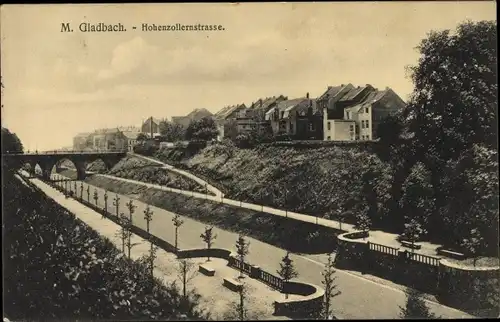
(329, 126)
(328, 138)
(347, 115)
(366, 109)
(367, 124)
(362, 124)
(291, 127)
(311, 126)
(351, 128)
(282, 114)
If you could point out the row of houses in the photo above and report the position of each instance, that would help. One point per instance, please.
(342, 113)
(119, 138)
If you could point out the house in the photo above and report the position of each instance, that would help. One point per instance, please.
(247, 120)
(151, 127)
(130, 134)
(225, 119)
(298, 119)
(196, 115)
(108, 139)
(262, 105)
(353, 113)
(81, 141)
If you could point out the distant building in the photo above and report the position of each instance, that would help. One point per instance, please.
(130, 134)
(151, 127)
(81, 141)
(225, 119)
(262, 105)
(353, 113)
(196, 115)
(109, 139)
(298, 119)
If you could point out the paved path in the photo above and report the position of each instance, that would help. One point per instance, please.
(360, 298)
(200, 181)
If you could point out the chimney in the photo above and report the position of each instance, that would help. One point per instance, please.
(342, 85)
(307, 95)
(260, 102)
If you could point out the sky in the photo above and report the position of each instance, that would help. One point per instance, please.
(58, 84)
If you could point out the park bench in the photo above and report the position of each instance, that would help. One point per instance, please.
(232, 284)
(451, 254)
(206, 270)
(410, 245)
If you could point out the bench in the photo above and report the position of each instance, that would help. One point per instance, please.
(451, 254)
(206, 270)
(410, 245)
(232, 284)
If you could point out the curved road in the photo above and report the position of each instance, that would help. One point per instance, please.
(360, 298)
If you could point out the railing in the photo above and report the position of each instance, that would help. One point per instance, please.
(429, 260)
(70, 152)
(234, 262)
(383, 249)
(271, 280)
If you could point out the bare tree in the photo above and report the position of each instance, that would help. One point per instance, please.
(238, 310)
(177, 223)
(185, 273)
(81, 191)
(131, 209)
(330, 287)
(242, 249)
(105, 202)
(208, 237)
(96, 196)
(122, 233)
(287, 270)
(116, 203)
(148, 217)
(88, 193)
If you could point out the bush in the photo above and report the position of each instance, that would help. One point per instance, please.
(61, 269)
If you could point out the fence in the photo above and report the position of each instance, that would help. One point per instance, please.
(236, 263)
(429, 260)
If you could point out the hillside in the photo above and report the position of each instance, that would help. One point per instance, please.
(324, 181)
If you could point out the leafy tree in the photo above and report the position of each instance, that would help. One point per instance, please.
(116, 203)
(10, 142)
(417, 200)
(472, 243)
(239, 310)
(105, 202)
(413, 232)
(177, 224)
(208, 237)
(415, 306)
(454, 103)
(287, 270)
(172, 132)
(142, 137)
(363, 223)
(204, 129)
(242, 249)
(330, 287)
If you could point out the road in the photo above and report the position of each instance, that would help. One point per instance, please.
(360, 298)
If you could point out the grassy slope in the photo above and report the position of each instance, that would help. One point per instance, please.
(139, 169)
(274, 230)
(327, 176)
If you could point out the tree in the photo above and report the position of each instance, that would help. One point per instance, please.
(185, 273)
(105, 202)
(472, 244)
(413, 232)
(417, 200)
(330, 287)
(96, 196)
(116, 203)
(454, 103)
(172, 132)
(177, 223)
(415, 306)
(148, 217)
(81, 191)
(208, 237)
(11, 142)
(287, 270)
(88, 193)
(242, 249)
(363, 223)
(131, 209)
(238, 310)
(204, 129)
(122, 232)
(142, 137)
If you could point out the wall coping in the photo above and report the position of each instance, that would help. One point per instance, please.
(345, 237)
(319, 293)
(450, 264)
